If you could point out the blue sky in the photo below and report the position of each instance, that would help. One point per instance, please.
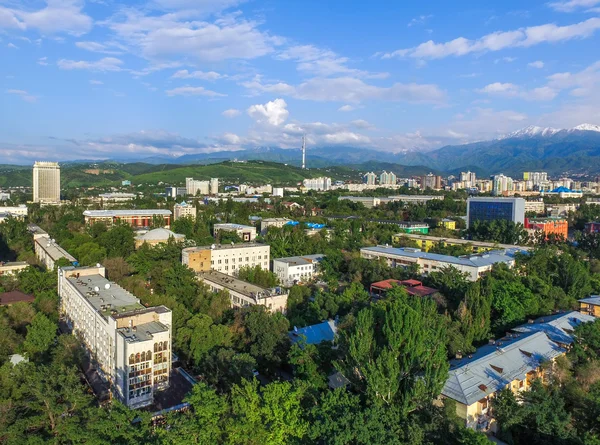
(102, 78)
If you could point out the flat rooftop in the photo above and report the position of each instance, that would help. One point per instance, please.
(137, 212)
(232, 226)
(54, 250)
(142, 332)
(101, 292)
(437, 239)
(301, 260)
(235, 284)
(225, 247)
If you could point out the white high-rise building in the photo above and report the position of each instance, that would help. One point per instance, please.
(194, 187)
(387, 178)
(370, 178)
(468, 179)
(128, 343)
(46, 182)
(319, 184)
(501, 183)
(214, 186)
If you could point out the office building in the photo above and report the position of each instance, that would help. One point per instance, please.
(226, 258)
(246, 233)
(46, 182)
(297, 269)
(501, 184)
(243, 293)
(547, 226)
(273, 222)
(184, 210)
(129, 344)
(472, 265)
(139, 218)
(318, 184)
(431, 181)
(413, 227)
(387, 178)
(494, 209)
(370, 178)
(48, 252)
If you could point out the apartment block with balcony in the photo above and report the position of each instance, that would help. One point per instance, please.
(227, 258)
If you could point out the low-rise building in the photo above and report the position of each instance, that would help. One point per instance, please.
(184, 209)
(129, 344)
(11, 268)
(117, 197)
(558, 327)
(48, 252)
(426, 242)
(15, 296)
(19, 212)
(141, 218)
(590, 306)
(297, 269)
(447, 223)
(536, 206)
(592, 227)
(413, 227)
(226, 258)
(157, 236)
(368, 201)
(246, 233)
(547, 226)
(474, 266)
(412, 287)
(315, 334)
(273, 222)
(243, 293)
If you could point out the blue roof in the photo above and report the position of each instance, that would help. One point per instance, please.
(561, 189)
(559, 327)
(315, 333)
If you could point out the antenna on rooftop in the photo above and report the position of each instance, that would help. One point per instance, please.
(303, 152)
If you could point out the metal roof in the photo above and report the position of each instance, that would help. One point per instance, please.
(480, 260)
(558, 327)
(316, 333)
(101, 292)
(301, 260)
(492, 367)
(592, 299)
(142, 332)
(232, 226)
(159, 234)
(117, 213)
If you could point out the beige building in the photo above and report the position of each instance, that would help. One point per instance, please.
(272, 222)
(46, 182)
(157, 236)
(246, 233)
(10, 268)
(48, 252)
(182, 210)
(243, 293)
(536, 206)
(226, 258)
(129, 344)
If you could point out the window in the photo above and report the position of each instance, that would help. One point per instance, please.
(131, 359)
(143, 356)
(137, 357)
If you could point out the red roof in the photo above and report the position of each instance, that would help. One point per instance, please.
(386, 284)
(413, 287)
(421, 291)
(411, 283)
(15, 296)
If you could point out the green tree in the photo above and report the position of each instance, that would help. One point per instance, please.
(41, 334)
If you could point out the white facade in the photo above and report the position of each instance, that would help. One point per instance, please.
(48, 252)
(278, 191)
(246, 233)
(129, 343)
(296, 269)
(318, 184)
(214, 186)
(15, 211)
(194, 187)
(182, 210)
(468, 178)
(387, 178)
(227, 258)
(46, 182)
(272, 222)
(501, 183)
(535, 206)
(12, 268)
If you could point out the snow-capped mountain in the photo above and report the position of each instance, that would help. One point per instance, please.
(533, 131)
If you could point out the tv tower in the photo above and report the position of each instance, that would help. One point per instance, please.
(303, 152)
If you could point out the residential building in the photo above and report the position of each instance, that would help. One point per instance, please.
(556, 210)
(273, 222)
(278, 191)
(226, 258)
(431, 181)
(214, 186)
(126, 182)
(182, 210)
(558, 327)
(243, 293)
(592, 227)
(194, 187)
(370, 178)
(138, 218)
(15, 296)
(157, 236)
(4, 196)
(469, 179)
(48, 252)
(367, 201)
(117, 197)
(590, 306)
(536, 206)
(318, 184)
(537, 178)
(501, 184)
(129, 344)
(387, 178)
(511, 362)
(413, 227)
(19, 212)
(473, 265)
(246, 233)
(447, 223)
(426, 242)
(12, 268)
(412, 287)
(292, 270)
(494, 209)
(315, 334)
(175, 192)
(548, 226)
(46, 182)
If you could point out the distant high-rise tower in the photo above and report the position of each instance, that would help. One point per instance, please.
(46, 182)
(303, 152)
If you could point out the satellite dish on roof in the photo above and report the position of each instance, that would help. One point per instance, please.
(96, 288)
(212, 246)
(107, 286)
(98, 265)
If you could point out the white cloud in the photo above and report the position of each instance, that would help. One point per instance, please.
(537, 64)
(511, 90)
(363, 124)
(273, 113)
(232, 112)
(185, 74)
(12, 46)
(523, 37)
(497, 87)
(42, 61)
(96, 82)
(23, 95)
(193, 91)
(104, 64)
(57, 17)
(350, 89)
(419, 20)
(104, 48)
(230, 139)
(347, 108)
(572, 5)
(581, 82)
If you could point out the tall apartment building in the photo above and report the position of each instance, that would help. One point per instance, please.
(536, 178)
(182, 210)
(46, 182)
(501, 184)
(194, 187)
(370, 178)
(226, 258)
(128, 343)
(431, 181)
(468, 178)
(491, 209)
(319, 184)
(214, 186)
(387, 178)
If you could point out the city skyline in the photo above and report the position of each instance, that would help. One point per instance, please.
(91, 80)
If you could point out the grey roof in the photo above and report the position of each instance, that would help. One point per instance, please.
(137, 212)
(53, 250)
(237, 285)
(337, 380)
(479, 260)
(107, 293)
(142, 332)
(436, 239)
(558, 327)
(592, 299)
(231, 226)
(492, 367)
(159, 234)
(225, 246)
(301, 260)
